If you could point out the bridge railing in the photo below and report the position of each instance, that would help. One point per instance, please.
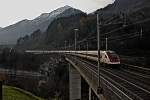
(92, 76)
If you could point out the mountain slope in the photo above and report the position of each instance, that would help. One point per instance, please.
(11, 33)
(61, 29)
(134, 13)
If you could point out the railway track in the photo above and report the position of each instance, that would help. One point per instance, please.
(143, 70)
(119, 93)
(132, 83)
(135, 87)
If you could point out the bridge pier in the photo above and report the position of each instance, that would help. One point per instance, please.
(74, 84)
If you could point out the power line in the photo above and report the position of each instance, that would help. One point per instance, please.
(121, 39)
(146, 20)
(115, 30)
(125, 35)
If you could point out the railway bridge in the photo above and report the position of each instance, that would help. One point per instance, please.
(123, 82)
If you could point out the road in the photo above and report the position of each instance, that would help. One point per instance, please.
(20, 73)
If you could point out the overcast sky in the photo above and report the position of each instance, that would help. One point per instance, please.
(12, 11)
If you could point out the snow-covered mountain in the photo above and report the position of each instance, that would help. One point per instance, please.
(10, 34)
(50, 16)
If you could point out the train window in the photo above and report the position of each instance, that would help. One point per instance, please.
(112, 55)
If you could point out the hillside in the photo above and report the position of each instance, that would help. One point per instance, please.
(59, 30)
(12, 93)
(133, 14)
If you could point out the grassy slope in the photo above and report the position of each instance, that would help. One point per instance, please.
(12, 93)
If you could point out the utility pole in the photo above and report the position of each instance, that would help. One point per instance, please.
(75, 39)
(106, 44)
(124, 19)
(65, 45)
(99, 90)
(70, 46)
(87, 46)
(79, 46)
(141, 33)
(1, 90)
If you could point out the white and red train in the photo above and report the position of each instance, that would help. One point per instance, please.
(107, 57)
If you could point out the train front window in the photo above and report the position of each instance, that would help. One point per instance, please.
(113, 56)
